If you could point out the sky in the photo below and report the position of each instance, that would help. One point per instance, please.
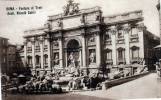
(13, 26)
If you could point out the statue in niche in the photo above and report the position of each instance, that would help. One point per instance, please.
(56, 59)
(59, 23)
(72, 66)
(71, 8)
(91, 39)
(92, 57)
(71, 60)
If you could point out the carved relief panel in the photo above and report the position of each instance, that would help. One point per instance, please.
(55, 44)
(91, 40)
(56, 58)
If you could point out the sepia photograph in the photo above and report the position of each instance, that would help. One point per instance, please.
(80, 49)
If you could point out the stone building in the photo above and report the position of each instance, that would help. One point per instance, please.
(86, 40)
(20, 64)
(158, 7)
(3, 54)
(11, 55)
(10, 62)
(158, 47)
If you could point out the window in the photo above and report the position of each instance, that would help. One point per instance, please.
(121, 53)
(135, 52)
(45, 59)
(134, 31)
(45, 45)
(29, 60)
(37, 60)
(37, 46)
(109, 55)
(107, 36)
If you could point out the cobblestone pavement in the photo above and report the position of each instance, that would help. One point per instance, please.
(148, 86)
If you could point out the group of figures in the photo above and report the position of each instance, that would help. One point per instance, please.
(53, 82)
(72, 61)
(40, 84)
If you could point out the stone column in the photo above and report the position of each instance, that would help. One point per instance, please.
(80, 58)
(60, 53)
(41, 53)
(66, 58)
(84, 51)
(33, 54)
(126, 29)
(25, 53)
(49, 55)
(98, 49)
(113, 38)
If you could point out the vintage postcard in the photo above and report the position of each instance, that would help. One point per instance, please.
(80, 49)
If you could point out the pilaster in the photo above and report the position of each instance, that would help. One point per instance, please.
(126, 29)
(60, 52)
(113, 38)
(33, 53)
(84, 50)
(41, 53)
(25, 53)
(141, 27)
(98, 49)
(49, 54)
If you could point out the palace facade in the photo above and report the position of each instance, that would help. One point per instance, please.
(158, 47)
(86, 40)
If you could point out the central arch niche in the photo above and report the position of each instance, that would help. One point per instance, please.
(73, 53)
(73, 45)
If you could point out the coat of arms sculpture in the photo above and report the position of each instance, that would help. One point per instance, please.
(71, 8)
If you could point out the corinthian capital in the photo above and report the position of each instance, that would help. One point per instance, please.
(113, 30)
(32, 40)
(126, 28)
(25, 43)
(41, 39)
(140, 26)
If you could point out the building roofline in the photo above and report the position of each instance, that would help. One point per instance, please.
(81, 11)
(4, 38)
(122, 14)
